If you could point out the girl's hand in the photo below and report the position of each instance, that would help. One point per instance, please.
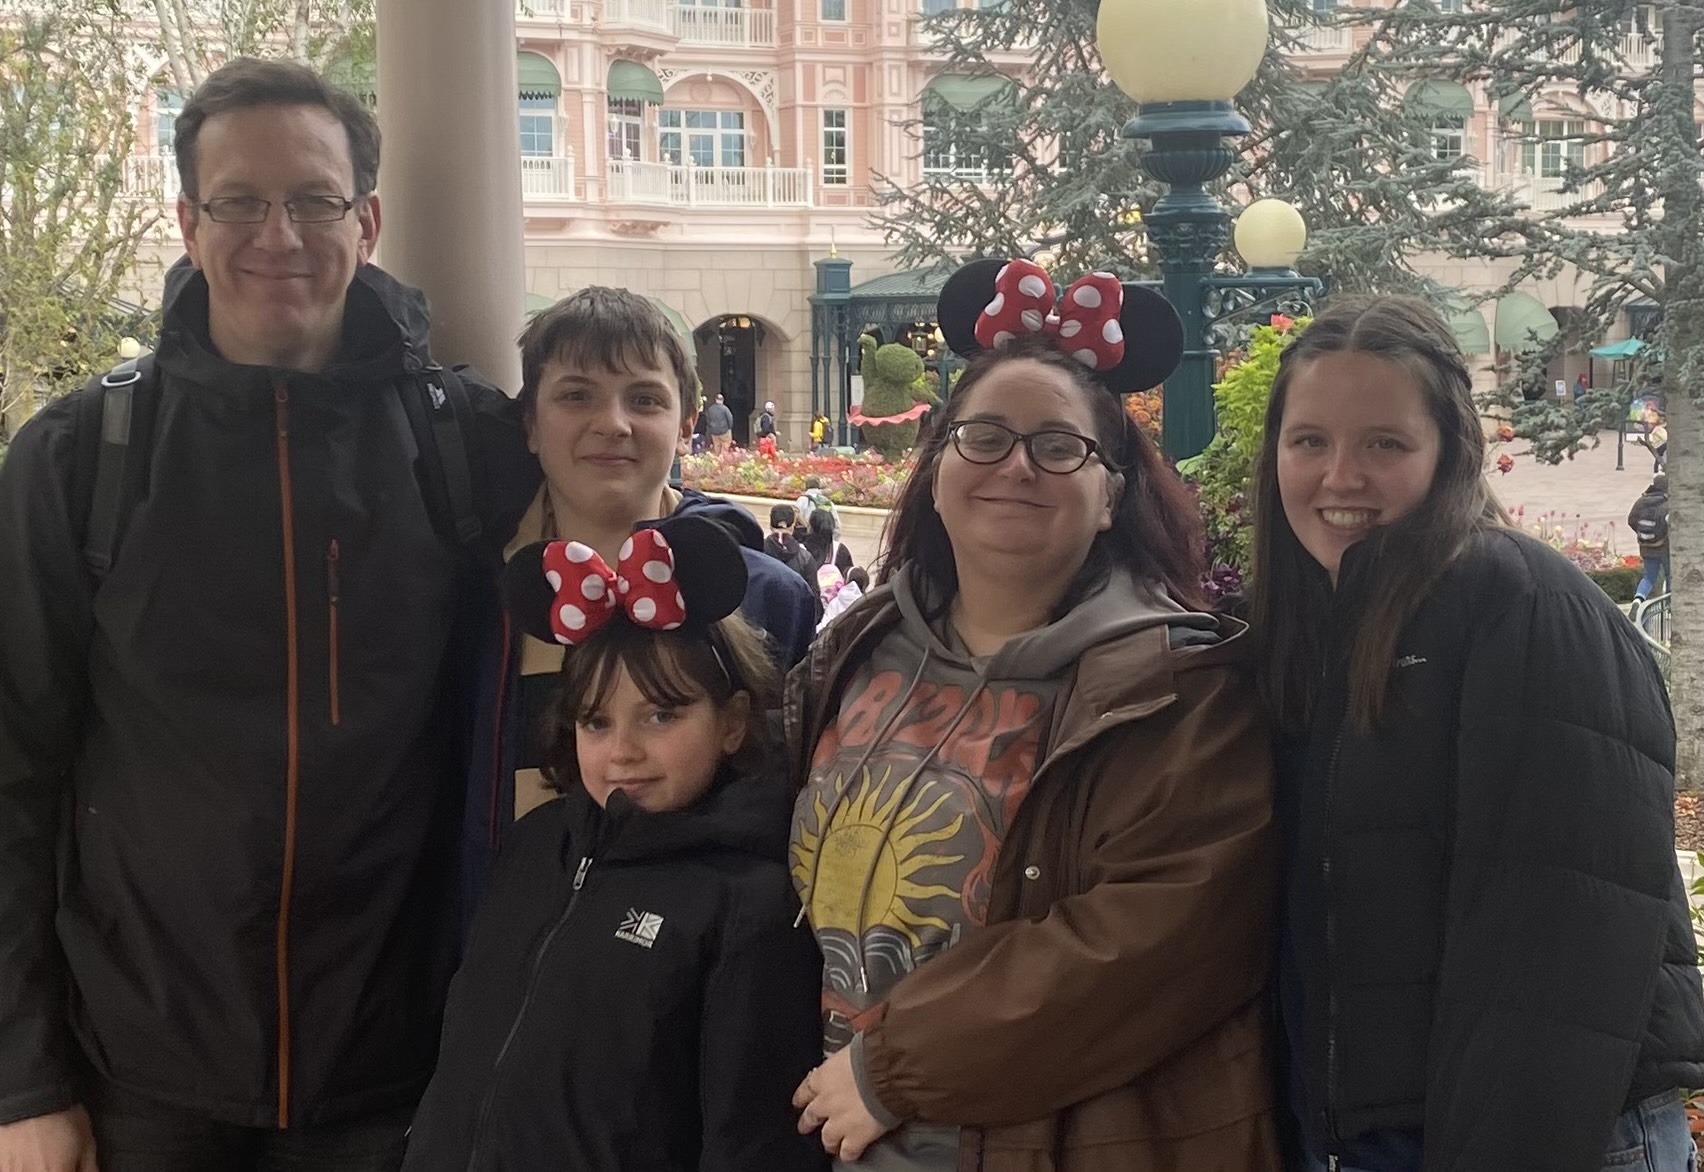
(829, 1099)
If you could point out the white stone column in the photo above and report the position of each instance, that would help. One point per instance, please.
(450, 180)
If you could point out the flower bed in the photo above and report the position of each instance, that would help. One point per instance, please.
(864, 480)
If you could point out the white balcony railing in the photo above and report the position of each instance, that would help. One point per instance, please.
(1325, 38)
(724, 28)
(541, 9)
(152, 177)
(645, 14)
(1640, 50)
(1544, 193)
(684, 185)
(547, 177)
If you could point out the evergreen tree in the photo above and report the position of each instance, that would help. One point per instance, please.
(1345, 150)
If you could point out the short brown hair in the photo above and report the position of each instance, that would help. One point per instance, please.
(249, 82)
(671, 668)
(616, 329)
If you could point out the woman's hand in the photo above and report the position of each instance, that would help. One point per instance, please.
(829, 1099)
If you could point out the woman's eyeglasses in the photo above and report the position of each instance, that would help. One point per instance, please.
(983, 441)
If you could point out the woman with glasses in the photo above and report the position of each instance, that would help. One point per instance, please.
(1034, 831)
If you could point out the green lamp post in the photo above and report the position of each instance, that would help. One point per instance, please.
(1184, 61)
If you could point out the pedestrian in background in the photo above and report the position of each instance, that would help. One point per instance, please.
(1649, 522)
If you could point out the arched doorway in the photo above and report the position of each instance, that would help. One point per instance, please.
(729, 363)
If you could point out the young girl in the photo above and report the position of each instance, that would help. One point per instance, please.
(634, 995)
(1487, 961)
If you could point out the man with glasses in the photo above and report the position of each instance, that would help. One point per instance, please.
(229, 777)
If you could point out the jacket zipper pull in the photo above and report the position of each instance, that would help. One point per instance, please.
(800, 918)
(580, 875)
(1332, 1164)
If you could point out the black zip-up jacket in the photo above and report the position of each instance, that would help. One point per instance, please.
(243, 739)
(635, 997)
(1487, 938)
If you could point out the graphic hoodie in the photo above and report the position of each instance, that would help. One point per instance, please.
(911, 791)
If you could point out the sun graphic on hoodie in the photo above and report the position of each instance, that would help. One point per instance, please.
(874, 846)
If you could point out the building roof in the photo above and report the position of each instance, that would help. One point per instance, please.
(910, 285)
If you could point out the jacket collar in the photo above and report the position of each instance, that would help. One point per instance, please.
(384, 335)
(1126, 678)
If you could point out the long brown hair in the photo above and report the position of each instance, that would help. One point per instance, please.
(1405, 559)
(1155, 531)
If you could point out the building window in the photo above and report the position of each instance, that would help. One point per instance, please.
(1324, 7)
(705, 138)
(1449, 138)
(538, 127)
(935, 7)
(1556, 145)
(834, 10)
(168, 104)
(942, 155)
(1450, 6)
(626, 128)
(836, 155)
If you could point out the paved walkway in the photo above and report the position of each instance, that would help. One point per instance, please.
(1583, 493)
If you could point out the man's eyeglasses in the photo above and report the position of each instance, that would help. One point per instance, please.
(251, 209)
(982, 441)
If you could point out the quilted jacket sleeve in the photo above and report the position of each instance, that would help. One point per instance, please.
(45, 621)
(1563, 884)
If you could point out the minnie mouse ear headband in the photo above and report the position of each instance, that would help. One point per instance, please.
(1127, 335)
(684, 573)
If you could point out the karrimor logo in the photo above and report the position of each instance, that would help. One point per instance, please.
(639, 928)
(437, 394)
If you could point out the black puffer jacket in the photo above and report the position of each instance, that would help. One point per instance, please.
(636, 997)
(244, 734)
(1487, 936)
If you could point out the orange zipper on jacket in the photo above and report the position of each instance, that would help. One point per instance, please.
(331, 595)
(292, 759)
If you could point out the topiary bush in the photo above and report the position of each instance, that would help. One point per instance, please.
(893, 384)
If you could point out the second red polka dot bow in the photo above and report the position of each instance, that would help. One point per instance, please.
(1085, 323)
(587, 591)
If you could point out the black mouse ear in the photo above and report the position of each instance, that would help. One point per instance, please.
(963, 298)
(526, 593)
(1153, 342)
(709, 568)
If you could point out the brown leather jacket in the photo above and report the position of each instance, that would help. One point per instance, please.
(1109, 1017)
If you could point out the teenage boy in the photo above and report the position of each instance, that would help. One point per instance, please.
(606, 388)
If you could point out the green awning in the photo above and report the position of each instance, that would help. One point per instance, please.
(1619, 351)
(536, 76)
(967, 93)
(1523, 323)
(1471, 332)
(1439, 99)
(632, 81)
(360, 78)
(1515, 108)
(678, 322)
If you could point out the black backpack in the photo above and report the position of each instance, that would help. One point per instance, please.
(1650, 522)
(128, 400)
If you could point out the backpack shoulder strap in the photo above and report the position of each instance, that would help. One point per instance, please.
(442, 418)
(129, 401)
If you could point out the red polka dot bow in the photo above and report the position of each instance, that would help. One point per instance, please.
(588, 591)
(1085, 323)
